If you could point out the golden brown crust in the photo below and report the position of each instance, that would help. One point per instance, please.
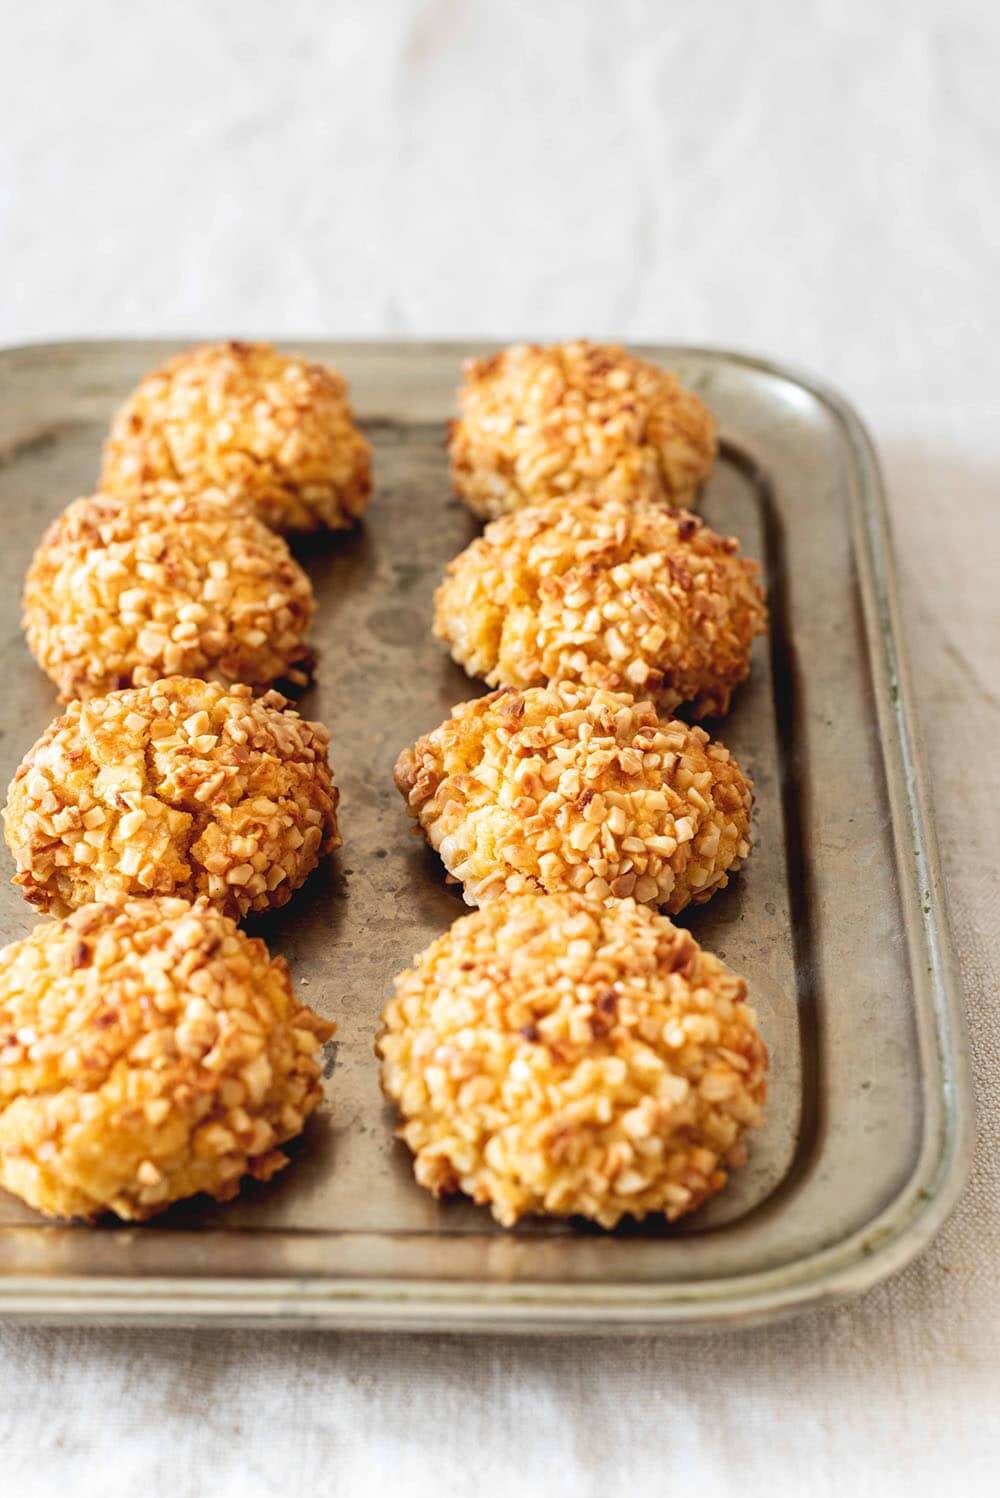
(124, 591)
(275, 431)
(571, 788)
(553, 1055)
(623, 596)
(148, 1051)
(543, 423)
(182, 788)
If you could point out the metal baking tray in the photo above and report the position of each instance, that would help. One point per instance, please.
(838, 919)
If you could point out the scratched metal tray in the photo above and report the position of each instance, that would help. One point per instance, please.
(837, 921)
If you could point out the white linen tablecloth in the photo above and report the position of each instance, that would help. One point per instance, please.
(814, 181)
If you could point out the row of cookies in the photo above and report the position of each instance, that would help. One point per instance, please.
(566, 1049)
(149, 1049)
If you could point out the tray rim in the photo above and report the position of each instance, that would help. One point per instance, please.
(904, 1227)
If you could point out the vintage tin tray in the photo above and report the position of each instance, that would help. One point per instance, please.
(838, 920)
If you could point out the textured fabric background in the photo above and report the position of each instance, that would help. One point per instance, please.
(815, 181)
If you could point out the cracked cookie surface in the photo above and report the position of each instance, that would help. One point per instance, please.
(630, 597)
(181, 788)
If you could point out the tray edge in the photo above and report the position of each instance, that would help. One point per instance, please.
(884, 1246)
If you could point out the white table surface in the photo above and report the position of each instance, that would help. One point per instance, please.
(814, 181)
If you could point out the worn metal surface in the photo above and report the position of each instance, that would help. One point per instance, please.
(837, 919)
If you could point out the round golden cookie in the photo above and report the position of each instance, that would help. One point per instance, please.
(629, 597)
(148, 1051)
(273, 430)
(181, 788)
(555, 1055)
(543, 423)
(123, 591)
(570, 788)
